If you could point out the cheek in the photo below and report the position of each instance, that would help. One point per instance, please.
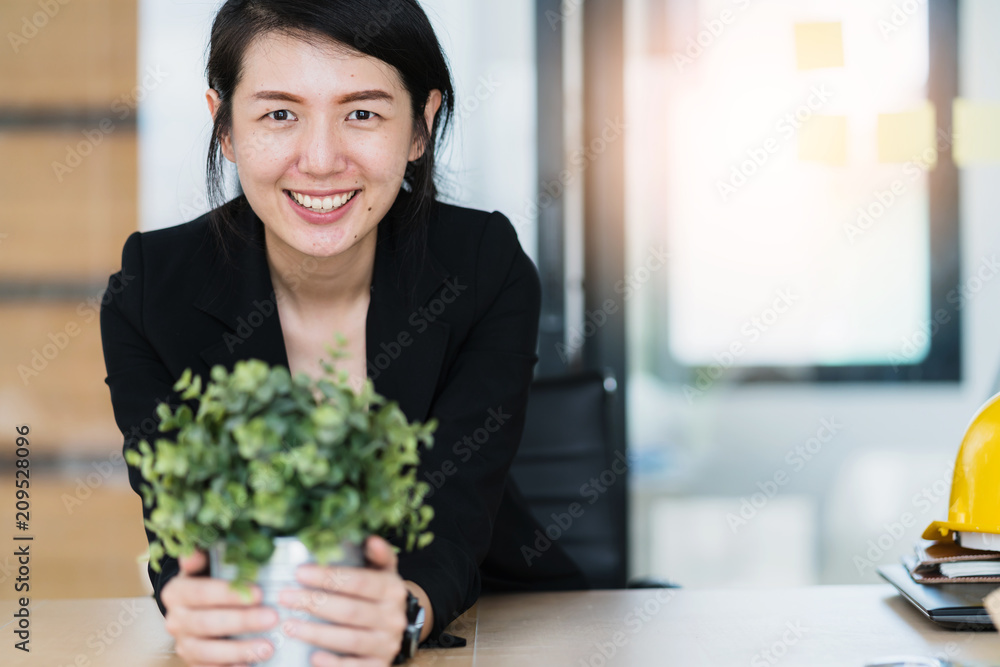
(264, 155)
(385, 156)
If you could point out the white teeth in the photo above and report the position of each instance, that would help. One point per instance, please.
(323, 203)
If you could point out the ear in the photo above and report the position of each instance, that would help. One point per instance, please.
(430, 110)
(214, 102)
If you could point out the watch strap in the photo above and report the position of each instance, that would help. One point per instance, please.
(411, 635)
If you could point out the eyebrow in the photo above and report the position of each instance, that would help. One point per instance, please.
(280, 96)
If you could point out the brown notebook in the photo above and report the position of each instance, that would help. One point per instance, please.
(927, 558)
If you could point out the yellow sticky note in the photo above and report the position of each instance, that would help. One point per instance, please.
(908, 136)
(824, 139)
(819, 45)
(976, 129)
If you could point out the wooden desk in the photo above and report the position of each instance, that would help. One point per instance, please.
(815, 626)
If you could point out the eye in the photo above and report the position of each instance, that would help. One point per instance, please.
(367, 117)
(280, 115)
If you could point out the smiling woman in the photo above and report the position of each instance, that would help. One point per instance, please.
(339, 133)
(322, 136)
(331, 111)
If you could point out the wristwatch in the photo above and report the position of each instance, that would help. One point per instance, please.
(414, 624)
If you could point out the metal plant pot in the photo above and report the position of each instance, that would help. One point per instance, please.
(276, 575)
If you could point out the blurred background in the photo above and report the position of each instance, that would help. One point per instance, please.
(774, 222)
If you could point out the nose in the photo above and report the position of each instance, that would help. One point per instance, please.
(322, 149)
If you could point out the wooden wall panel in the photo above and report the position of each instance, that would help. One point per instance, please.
(70, 225)
(87, 529)
(68, 200)
(78, 53)
(54, 381)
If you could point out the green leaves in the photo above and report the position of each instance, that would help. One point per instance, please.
(268, 455)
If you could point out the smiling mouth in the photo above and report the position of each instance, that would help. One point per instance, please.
(320, 204)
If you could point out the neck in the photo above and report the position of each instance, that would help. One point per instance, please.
(322, 282)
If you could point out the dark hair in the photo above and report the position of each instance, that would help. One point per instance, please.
(396, 32)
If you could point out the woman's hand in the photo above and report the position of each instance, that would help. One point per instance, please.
(366, 608)
(202, 611)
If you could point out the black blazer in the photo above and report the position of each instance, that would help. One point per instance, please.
(462, 349)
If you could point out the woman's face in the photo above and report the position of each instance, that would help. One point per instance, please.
(321, 137)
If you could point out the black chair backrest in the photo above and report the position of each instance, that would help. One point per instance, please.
(573, 477)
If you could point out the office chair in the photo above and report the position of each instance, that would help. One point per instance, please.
(571, 481)
(565, 452)
(562, 524)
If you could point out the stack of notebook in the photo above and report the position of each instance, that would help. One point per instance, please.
(948, 562)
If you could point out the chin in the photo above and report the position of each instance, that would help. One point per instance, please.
(314, 238)
(320, 249)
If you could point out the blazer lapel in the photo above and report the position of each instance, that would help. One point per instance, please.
(240, 295)
(404, 350)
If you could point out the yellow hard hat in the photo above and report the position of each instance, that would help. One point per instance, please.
(975, 487)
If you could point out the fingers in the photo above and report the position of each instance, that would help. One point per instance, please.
(349, 641)
(322, 659)
(366, 584)
(215, 623)
(380, 554)
(328, 660)
(364, 608)
(200, 592)
(193, 564)
(335, 608)
(203, 612)
(198, 651)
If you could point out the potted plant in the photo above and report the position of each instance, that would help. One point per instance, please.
(267, 471)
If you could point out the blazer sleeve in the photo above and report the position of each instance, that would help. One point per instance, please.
(136, 376)
(480, 413)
